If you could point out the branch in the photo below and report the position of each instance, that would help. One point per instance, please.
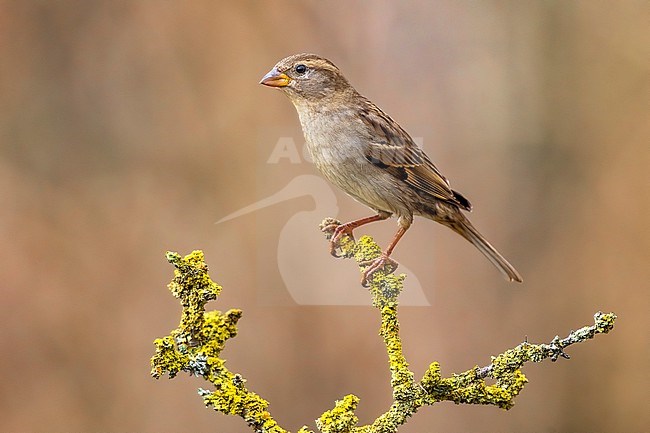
(468, 387)
(195, 347)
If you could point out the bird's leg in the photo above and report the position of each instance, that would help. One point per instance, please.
(347, 228)
(383, 260)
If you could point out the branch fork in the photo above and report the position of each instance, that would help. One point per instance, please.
(195, 347)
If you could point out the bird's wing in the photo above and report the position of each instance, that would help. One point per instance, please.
(390, 147)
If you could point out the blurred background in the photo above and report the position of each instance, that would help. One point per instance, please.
(128, 128)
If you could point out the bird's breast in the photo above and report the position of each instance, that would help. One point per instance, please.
(329, 136)
(336, 144)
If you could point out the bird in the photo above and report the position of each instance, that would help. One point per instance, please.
(365, 153)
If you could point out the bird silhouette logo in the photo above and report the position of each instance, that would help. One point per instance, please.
(303, 258)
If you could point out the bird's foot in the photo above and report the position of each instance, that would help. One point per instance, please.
(337, 231)
(382, 262)
(328, 225)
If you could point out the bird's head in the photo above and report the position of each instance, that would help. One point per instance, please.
(306, 78)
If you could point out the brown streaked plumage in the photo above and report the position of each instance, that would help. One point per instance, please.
(360, 149)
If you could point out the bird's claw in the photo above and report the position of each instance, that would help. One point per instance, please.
(337, 232)
(382, 262)
(328, 226)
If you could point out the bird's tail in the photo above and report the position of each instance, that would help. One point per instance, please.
(461, 225)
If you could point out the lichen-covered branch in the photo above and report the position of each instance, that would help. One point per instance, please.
(195, 347)
(468, 387)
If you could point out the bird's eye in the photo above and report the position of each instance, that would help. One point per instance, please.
(300, 69)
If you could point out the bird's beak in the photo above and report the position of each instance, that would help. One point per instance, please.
(275, 78)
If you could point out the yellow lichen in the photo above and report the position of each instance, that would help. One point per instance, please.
(196, 345)
(341, 419)
(167, 359)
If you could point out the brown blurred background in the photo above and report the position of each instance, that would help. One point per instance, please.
(128, 128)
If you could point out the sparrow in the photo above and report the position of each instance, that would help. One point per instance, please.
(361, 150)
